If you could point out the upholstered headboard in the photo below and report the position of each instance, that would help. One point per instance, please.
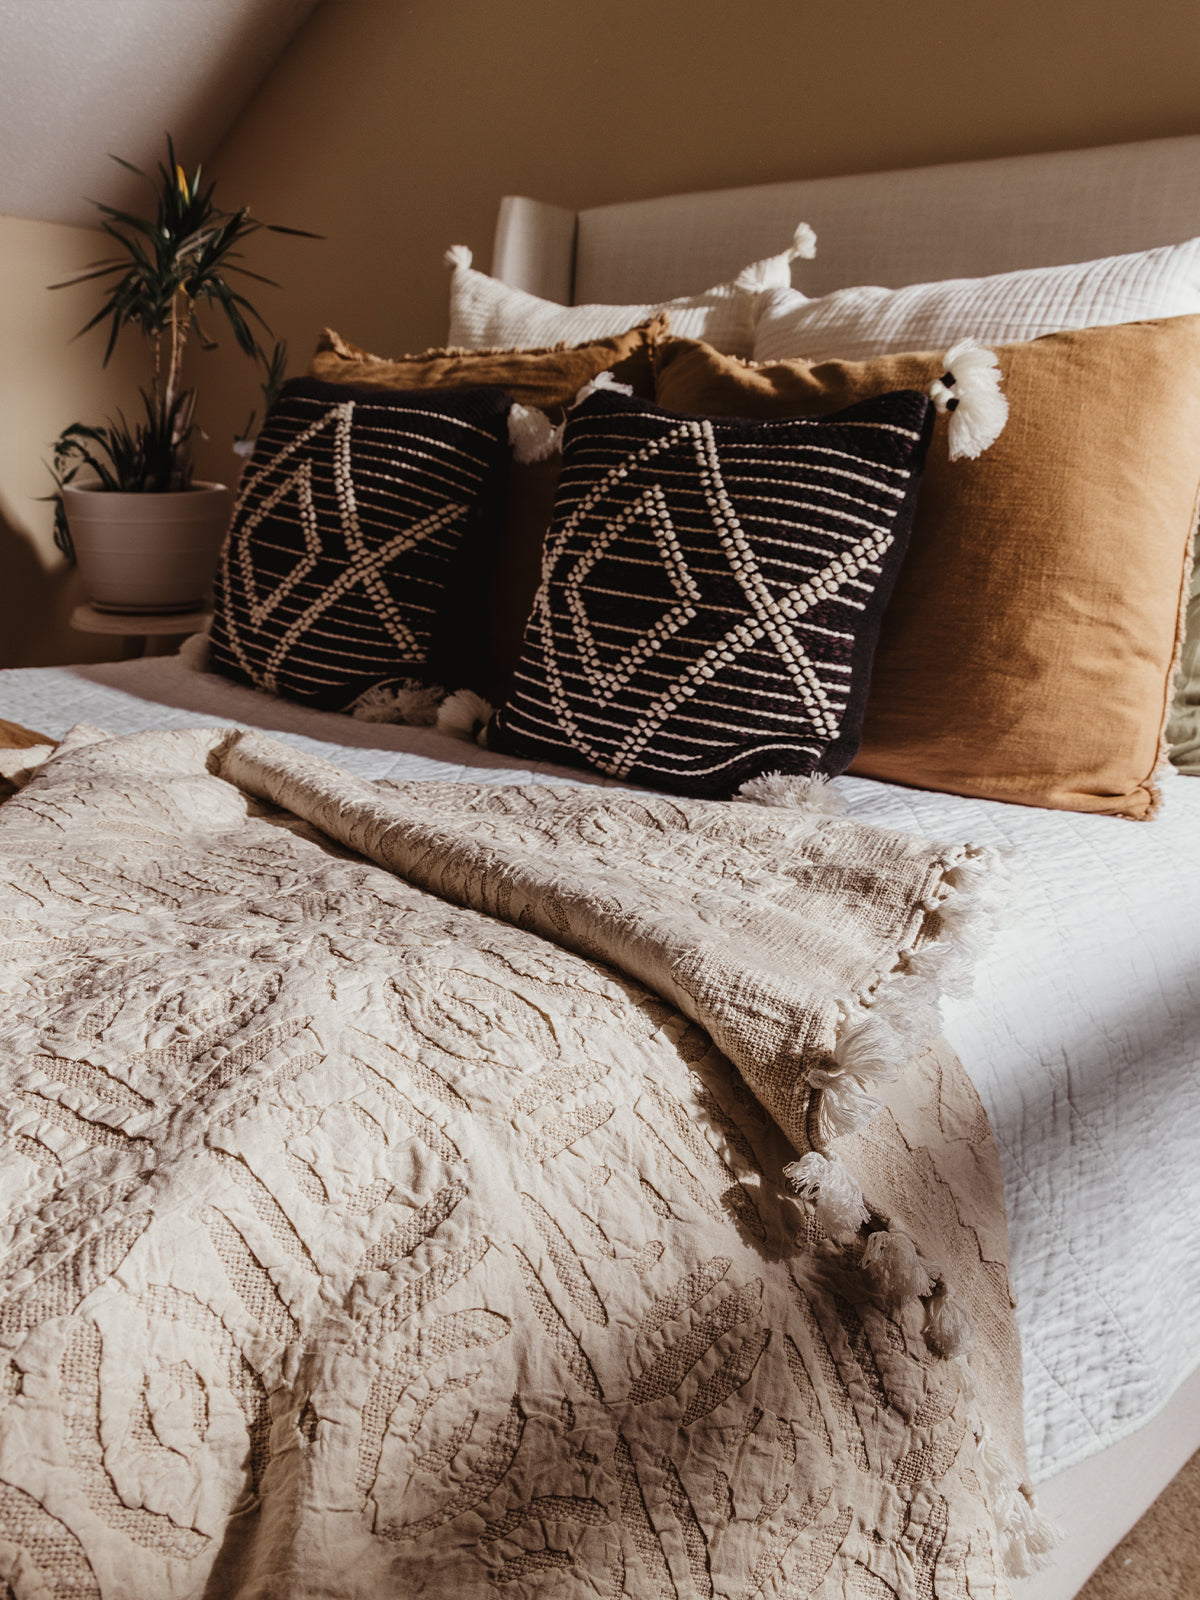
(890, 228)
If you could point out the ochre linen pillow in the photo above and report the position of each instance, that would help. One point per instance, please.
(547, 378)
(1029, 648)
(493, 611)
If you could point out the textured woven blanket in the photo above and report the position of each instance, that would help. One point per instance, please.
(394, 1200)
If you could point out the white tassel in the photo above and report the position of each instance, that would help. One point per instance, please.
(845, 1106)
(463, 714)
(532, 435)
(894, 1266)
(969, 389)
(833, 1191)
(815, 795)
(804, 243)
(458, 255)
(602, 380)
(413, 703)
(870, 1049)
(1026, 1536)
(775, 272)
(949, 1330)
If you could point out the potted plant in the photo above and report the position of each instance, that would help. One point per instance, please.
(144, 532)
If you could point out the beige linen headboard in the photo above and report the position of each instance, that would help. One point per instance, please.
(888, 228)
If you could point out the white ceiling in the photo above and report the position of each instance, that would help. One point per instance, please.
(80, 78)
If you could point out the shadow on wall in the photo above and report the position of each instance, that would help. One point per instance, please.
(35, 608)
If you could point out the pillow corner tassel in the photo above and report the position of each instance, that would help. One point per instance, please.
(532, 435)
(969, 392)
(458, 255)
(464, 715)
(410, 702)
(766, 274)
(834, 1192)
(602, 380)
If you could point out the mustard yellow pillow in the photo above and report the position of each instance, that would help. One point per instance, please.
(1030, 645)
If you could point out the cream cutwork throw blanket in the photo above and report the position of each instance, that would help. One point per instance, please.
(393, 1196)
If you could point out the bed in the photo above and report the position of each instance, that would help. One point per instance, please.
(1080, 1035)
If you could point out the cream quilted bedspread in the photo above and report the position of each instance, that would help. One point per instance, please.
(393, 1199)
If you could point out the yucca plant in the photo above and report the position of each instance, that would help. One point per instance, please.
(173, 267)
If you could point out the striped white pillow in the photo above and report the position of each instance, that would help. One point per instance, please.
(488, 314)
(853, 324)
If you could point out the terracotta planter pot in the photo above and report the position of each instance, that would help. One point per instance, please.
(147, 552)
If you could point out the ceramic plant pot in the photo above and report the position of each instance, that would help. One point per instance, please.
(147, 552)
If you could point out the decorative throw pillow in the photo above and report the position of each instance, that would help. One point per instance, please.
(712, 590)
(494, 597)
(484, 311)
(353, 518)
(1028, 651)
(547, 378)
(852, 324)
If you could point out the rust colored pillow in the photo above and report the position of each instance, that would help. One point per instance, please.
(494, 616)
(1029, 648)
(548, 379)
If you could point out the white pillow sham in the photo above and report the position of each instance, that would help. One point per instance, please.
(853, 324)
(488, 314)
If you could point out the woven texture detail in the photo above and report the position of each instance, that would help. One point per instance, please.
(486, 313)
(394, 1235)
(354, 514)
(712, 591)
(853, 324)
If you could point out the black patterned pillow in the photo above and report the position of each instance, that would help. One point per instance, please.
(359, 515)
(712, 591)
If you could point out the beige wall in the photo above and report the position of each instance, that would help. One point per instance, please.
(46, 383)
(394, 128)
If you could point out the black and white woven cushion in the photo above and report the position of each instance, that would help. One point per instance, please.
(358, 517)
(712, 591)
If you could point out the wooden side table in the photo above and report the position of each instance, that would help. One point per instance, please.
(145, 634)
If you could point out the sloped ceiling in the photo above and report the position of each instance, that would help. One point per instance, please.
(81, 78)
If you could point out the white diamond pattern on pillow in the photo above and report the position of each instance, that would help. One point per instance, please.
(852, 324)
(488, 314)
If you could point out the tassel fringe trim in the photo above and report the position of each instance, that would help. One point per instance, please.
(887, 1029)
(833, 1192)
(464, 715)
(532, 435)
(775, 272)
(458, 255)
(788, 790)
(602, 380)
(1027, 1538)
(969, 391)
(411, 702)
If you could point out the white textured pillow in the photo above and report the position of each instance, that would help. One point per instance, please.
(487, 314)
(852, 324)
